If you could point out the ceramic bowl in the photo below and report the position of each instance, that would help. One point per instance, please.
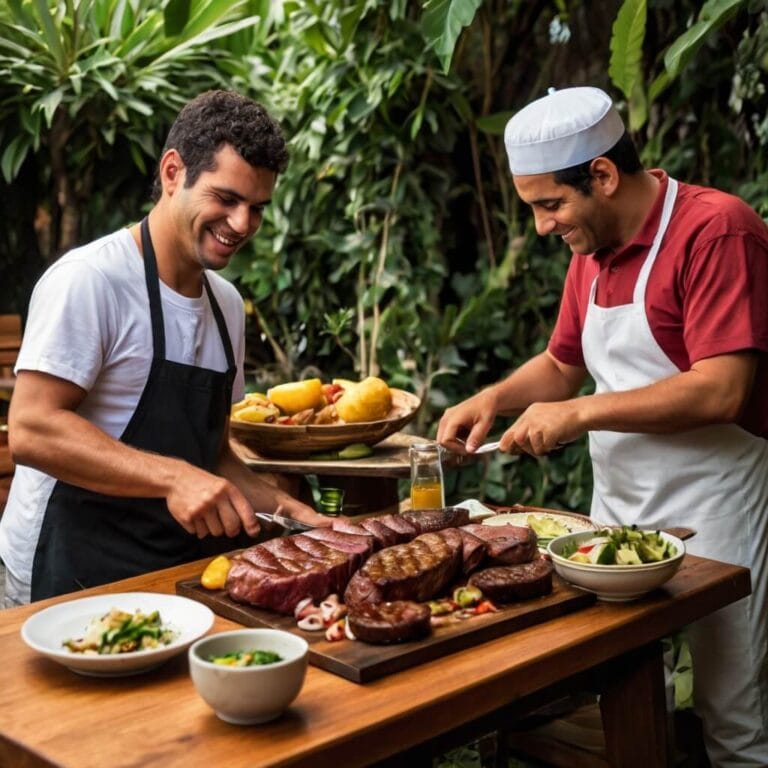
(616, 583)
(254, 694)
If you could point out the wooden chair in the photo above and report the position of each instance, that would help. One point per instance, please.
(10, 341)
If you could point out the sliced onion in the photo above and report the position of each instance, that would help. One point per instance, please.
(336, 631)
(311, 623)
(298, 611)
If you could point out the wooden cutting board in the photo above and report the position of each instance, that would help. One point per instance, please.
(361, 662)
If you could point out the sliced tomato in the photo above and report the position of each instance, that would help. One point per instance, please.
(332, 392)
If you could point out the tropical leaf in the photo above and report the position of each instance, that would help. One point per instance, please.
(176, 16)
(49, 32)
(625, 67)
(712, 16)
(442, 23)
(13, 156)
(494, 124)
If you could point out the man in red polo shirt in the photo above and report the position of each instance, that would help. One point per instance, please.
(664, 307)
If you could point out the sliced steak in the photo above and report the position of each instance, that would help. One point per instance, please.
(385, 536)
(404, 529)
(321, 552)
(510, 583)
(471, 548)
(417, 571)
(345, 526)
(507, 544)
(428, 520)
(391, 622)
(474, 549)
(344, 542)
(282, 574)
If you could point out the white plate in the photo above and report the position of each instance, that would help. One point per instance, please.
(477, 510)
(572, 522)
(46, 631)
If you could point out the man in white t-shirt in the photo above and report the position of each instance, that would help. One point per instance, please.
(132, 357)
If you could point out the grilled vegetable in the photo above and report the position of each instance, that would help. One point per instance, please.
(215, 573)
(246, 658)
(623, 546)
(122, 632)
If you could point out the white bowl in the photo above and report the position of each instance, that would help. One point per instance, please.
(616, 583)
(255, 694)
(46, 630)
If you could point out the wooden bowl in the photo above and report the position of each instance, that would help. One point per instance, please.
(285, 441)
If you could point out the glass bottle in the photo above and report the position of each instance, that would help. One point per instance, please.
(427, 490)
(331, 501)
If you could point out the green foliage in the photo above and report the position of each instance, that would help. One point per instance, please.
(712, 16)
(626, 58)
(395, 243)
(443, 22)
(92, 80)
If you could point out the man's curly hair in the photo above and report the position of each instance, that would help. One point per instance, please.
(216, 118)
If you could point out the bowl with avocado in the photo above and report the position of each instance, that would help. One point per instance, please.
(617, 564)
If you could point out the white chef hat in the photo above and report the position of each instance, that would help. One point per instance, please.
(560, 130)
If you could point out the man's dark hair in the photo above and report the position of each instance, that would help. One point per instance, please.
(216, 118)
(623, 154)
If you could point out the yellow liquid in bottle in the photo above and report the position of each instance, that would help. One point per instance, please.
(427, 494)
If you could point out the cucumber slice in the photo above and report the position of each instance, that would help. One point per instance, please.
(355, 451)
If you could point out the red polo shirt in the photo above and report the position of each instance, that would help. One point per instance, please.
(707, 293)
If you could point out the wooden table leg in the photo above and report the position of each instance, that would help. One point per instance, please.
(633, 708)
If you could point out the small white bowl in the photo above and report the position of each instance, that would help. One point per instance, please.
(614, 583)
(255, 694)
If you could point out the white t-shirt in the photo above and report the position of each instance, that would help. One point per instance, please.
(89, 323)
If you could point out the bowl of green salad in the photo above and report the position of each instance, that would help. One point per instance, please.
(617, 564)
(249, 676)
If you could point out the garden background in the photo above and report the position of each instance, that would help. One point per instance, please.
(395, 245)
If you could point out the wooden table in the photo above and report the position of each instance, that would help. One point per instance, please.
(50, 716)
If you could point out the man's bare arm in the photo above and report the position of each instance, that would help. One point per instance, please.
(45, 432)
(543, 378)
(714, 391)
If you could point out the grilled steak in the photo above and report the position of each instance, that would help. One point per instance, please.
(417, 571)
(279, 573)
(345, 526)
(509, 583)
(507, 544)
(428, 520)
(474, 549)
(392, 622)
(471, 548)
(405, 529)
(344, 542)
(385, 536)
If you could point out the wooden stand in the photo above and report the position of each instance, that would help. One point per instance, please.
(370, 484)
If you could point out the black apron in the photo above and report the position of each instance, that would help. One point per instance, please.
(88, 538)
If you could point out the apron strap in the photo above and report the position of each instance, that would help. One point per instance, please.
(156, 307)
(220, 323)
(153, 290)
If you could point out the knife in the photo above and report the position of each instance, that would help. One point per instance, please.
(286, 522)
(494, 446)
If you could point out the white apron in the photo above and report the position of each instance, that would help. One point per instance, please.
(712, 479)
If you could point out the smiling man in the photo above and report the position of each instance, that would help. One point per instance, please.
(664, 307)
(132, 356)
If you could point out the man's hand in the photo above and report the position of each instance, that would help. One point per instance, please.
(542, 428)
(205, 504)
(463, 427)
